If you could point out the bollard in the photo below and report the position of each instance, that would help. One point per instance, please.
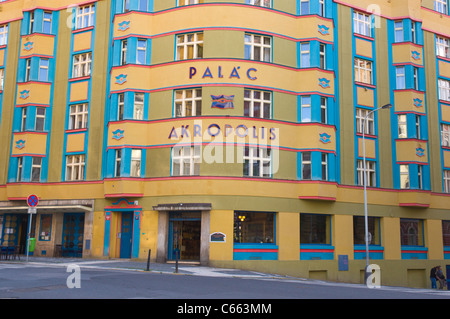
(176, 261)
(148, 260)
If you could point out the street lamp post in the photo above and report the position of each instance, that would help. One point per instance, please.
(366, 219)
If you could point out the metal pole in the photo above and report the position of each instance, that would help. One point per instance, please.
(29, 233)
(366, 218)
(176, 261)
(148, 259)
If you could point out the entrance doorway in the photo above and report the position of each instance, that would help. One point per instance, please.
(15, 231)
(126, 235)
(73, 234)
(184, 236)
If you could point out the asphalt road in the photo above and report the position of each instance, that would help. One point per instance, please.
(47, 281)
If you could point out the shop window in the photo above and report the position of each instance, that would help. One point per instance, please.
(254, 227)
(45, 229)
(359, 230)
(446, 232)
(314, 229)
(411, 232)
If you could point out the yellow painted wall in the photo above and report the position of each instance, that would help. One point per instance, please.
(390, 238)
(342, 235)
(288, 236)
(433, 238)
(222, 221)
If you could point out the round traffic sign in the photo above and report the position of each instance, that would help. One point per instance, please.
(32, 200)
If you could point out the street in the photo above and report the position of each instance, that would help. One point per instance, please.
(110, 280)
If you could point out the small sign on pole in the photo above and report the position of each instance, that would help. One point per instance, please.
(32, 202)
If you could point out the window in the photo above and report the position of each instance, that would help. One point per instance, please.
(31, 25)
(418, 135)
(257, 104)
(120, 106)
(304, 55)
(258, 47)
(40, 119)
(324, 166)
(190, 46)
(20, 169)
(323, 110)
(78, 116)
(126, 5)
(3, 34)
(82, 64)
(2, 78)
(363, 71)
(446, 232)
(36, 165)
(47, 22)
(257, 162)
(411, 231)
(118, 162)
(138, 110)
(143, 5)
(442, 47)
(400, 77)
(188, 102)
(445, 135)
(416, 78)
(254, 227)
(370, 173)
(404, 176)
(444, 90)
(123, 52)
(440, 6)
(188, 2)
(186, 160)
(75, 165)
(135, 170)
(413, 32)
(261, 3)
(322, 60)
(27, 70)
(420, 176)
(447, 181)
(306, 165)
(314, 229)
(361, 23)
(304, 7)
(45, 229)
(402, 126)
(359, 230)
(398, 29)
(24, 119)
(85, 16)
(322, 8)
(141, 54)
(43, 69)
(306, 109)
(370, 123)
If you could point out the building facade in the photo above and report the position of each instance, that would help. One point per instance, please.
(229, 132)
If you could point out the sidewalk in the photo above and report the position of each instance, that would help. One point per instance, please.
(132, 265)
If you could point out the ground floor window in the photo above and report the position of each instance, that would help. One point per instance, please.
(411, 232)
(254, 227)
(359, 231)
(314, 229)
(446, 232)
